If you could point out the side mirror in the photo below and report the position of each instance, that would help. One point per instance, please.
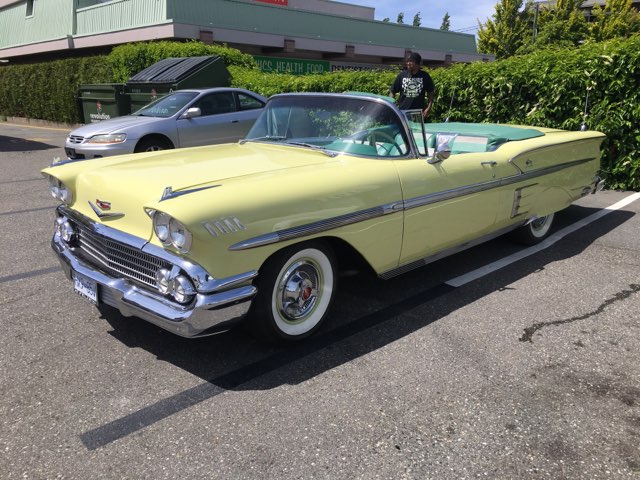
(444, 145)
(191, 113)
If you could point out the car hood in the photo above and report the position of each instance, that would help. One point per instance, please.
(129, 183)
(114, 125)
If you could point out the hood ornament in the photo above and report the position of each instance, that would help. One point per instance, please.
(169, 193)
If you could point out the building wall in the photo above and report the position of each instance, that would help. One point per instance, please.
(258, 28)
(333, 8)
(119, 15)
(241, 16)
(51, 20)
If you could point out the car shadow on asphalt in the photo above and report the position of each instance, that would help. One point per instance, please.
(368, 314)
(16, 144)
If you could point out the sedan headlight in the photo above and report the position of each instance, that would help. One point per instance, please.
(171, 232)
(60, 191)
(108, 138)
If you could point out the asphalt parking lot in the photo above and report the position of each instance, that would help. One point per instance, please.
(456, 370)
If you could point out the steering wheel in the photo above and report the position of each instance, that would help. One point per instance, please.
(386, 138)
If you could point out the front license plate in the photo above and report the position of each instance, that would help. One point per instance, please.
(85, 287)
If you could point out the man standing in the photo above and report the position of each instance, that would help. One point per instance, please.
(413, 84)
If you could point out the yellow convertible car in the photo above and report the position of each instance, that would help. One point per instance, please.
(195, 240)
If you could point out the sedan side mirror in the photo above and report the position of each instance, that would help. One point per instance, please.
(191, 113)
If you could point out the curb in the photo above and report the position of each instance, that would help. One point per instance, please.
(34, 122)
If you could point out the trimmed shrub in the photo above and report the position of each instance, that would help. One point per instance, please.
(48, 90)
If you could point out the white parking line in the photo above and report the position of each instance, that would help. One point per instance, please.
(498, 264)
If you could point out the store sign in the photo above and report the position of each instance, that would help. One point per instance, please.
(284, 3)
(295, 66)
(340, 66)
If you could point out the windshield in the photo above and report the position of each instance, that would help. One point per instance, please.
(166, 106)
(333, 123)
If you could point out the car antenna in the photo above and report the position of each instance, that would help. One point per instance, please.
(583, 127)
(446, 120)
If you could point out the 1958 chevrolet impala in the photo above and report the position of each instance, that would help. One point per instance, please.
(194, 240)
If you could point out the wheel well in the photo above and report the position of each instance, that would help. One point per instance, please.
(347, 257)
(156, 137)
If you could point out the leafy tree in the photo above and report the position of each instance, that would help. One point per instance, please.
(446, 22)
(400, 18)
(562, 24)
(617, 19)
(505, 33)
(416, 20)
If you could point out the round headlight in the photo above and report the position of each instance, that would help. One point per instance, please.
(180, 236)
(68, 232)
(65, 194)
(182, 289)
(58, 225)
(54, 183)
(163, 280)
(161, 226)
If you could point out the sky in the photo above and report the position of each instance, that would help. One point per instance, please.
(464, 14)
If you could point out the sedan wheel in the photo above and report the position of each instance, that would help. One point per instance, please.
(152, 145)
(295, 289)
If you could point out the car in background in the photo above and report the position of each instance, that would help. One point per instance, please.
(184, 118)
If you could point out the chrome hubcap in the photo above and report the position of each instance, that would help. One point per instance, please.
(298, 291)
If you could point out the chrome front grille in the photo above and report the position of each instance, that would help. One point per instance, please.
(118, 258)
(75, 139)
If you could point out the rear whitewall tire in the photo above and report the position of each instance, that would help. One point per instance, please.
(535, 231)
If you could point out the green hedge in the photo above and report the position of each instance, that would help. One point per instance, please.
(549, 89)
(545, 88)
(47, 91)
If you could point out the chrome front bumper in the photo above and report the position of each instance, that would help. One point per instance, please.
(217, 306)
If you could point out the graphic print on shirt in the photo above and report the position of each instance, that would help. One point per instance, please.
(411, 87)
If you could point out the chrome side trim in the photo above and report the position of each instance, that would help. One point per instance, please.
(363, 215)
(480, 187)
(394, 272)
(317, 227)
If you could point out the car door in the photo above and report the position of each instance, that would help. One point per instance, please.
(447, 203)
(219, 121)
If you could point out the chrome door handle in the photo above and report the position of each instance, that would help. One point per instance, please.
(492, 163)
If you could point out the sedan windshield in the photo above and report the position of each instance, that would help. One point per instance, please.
(166, 106)
(353, 125)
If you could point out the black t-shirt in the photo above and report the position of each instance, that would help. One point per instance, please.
(412, 89)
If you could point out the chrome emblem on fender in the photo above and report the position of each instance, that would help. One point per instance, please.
(98, 209)
(222, 226)
(103, 205)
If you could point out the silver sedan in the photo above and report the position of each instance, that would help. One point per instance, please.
(184, 118)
